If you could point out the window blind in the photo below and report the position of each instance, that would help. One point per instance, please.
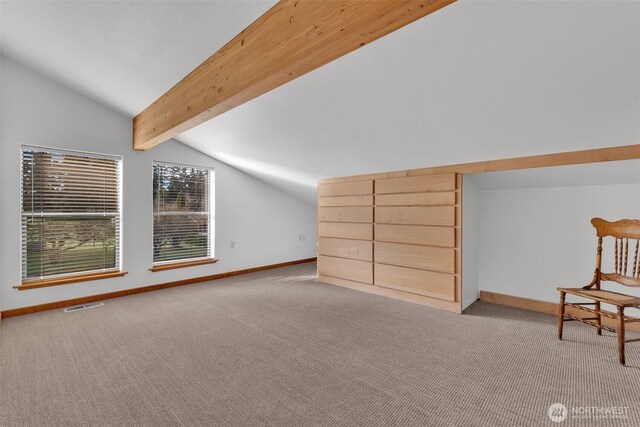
(182, 212)
(70, 213)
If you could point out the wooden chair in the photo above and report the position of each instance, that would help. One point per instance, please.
(622, 231)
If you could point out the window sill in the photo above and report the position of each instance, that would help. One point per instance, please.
(35, 284)
(171, 266)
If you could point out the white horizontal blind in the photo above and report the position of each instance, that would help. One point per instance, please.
(70, 213)
(182, 212)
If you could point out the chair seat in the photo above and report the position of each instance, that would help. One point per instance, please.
(608, 297)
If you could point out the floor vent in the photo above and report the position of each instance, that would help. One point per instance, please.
(83, 307)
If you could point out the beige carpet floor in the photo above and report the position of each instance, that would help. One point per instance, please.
(277, 348)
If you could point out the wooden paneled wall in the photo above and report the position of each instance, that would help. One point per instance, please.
(398, 237)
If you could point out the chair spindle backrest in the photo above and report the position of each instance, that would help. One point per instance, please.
(626, 232)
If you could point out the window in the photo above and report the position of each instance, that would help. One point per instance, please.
(70, 213)
(182, 213)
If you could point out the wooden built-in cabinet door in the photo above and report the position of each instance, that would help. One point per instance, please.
(415, 235)
(345, 201)
(398, 234)
(357, 271)
(422, 257)
(346, 214)
(416, 184)
(416, 215)
(421, 282)
(345, 232)
(355, 188)
(344, 248)
(417, 199)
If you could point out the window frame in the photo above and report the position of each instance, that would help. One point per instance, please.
(187, 262)
(77, 276)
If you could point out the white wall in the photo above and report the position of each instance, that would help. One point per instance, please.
(470, 240)
(533, 240)
(264, 222)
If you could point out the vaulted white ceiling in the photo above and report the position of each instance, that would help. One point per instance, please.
(122, 53)
(477, 80)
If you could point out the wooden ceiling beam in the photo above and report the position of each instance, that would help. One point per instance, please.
(595, 155)
(292, 38)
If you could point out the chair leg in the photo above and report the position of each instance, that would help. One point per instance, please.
(561, 314)
(599, 319)
(621, 334)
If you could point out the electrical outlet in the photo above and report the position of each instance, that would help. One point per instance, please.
(232, 244)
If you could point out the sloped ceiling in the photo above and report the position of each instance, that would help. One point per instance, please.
(477, 80)
(122, 53)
